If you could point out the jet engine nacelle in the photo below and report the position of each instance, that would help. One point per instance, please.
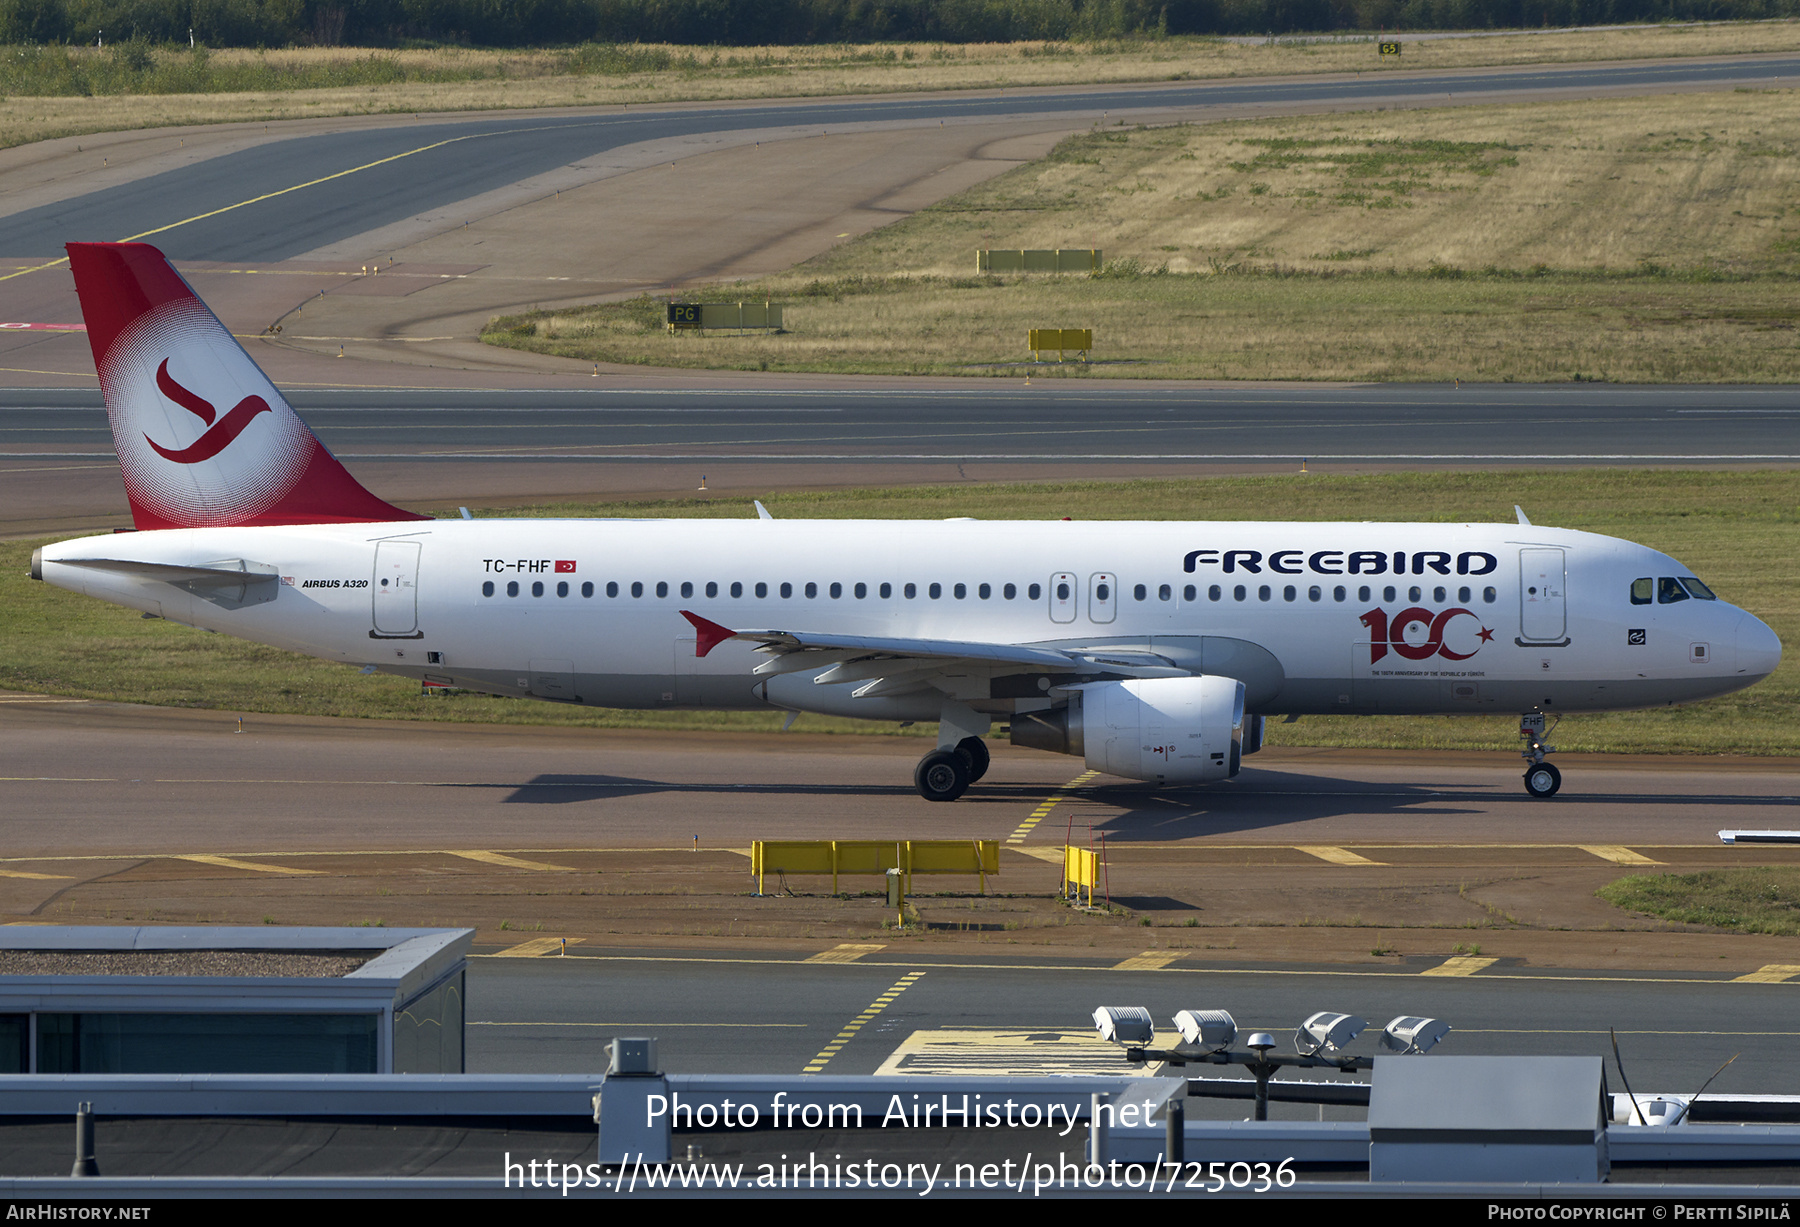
(1169, 730)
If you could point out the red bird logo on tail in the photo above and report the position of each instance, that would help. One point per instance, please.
(218, 436)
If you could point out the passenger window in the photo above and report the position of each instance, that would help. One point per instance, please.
(512, 587)
(1490, 595)
(1640, 590)
(1164, 593)
(637, 588)
(562, 588)
(487, 588)
(1264, 593)
(1463, 595)
(687, 587)
(911, 591)
(1140, 592)
(1338, 593)
(984, 591)
(1239, 593)
(1669, 591)
(1216, 593)
(836, 590)
(862, 592)
(1439, 596)
(737, 588)
(662, 587)
(1190, 593)
(762, 590)
(1103, 593)
(712, 587)
(1362, 593)
(935, 591)
(612, 587)
(887, 590)
(1387, 594)
(1034, 592)
(1315, 593)
(1010, 591)
(537, 588)
(1414, 595)
(812, 591)
(1289, 592)
(587, 589)
(960, 591)
(787, 590)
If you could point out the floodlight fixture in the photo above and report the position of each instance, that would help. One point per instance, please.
(1326, 1032)
(1408, 1034)
(1128, 1026)
(1208, 1030)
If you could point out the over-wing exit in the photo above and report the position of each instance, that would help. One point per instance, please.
(1153, 650)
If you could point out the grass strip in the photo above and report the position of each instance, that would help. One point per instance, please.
(1759, 900)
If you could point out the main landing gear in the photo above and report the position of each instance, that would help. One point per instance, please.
(944, 775)
(1542, 779)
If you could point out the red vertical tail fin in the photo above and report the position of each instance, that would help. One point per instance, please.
(203, 437)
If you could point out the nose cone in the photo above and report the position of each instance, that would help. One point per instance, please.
(1758, 650)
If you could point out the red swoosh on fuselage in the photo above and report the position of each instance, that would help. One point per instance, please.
(219, 437)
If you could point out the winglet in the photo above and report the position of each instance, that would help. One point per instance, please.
(708, 635)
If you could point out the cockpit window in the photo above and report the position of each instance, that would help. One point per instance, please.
(1669, 591)
(1696, 589)
(1640, 590)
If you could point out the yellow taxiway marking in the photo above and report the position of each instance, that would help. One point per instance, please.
(226, 862)
(1043, 810)
(1054, 856)
(1617, 854)
(36, 877)
(1150, 960)
(512, 862)
(1336, 855)
(1014, 1053)
(1461, 965)
(846, 952)
(537, 947)
(1774, 973)
(33, 698)
(817, 1064)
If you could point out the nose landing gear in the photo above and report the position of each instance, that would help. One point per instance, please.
(1542, 779)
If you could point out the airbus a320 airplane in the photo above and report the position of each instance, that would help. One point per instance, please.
(1153, 650)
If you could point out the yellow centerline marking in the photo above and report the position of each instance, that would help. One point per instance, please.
(536, 948)
(817, 1064)
(1336, 855)
(1150, 960)
(36, 877)
(1618, 854)
(198, 217)
(1774, 973)
(846, 952)
(1043, 810)
(1462, 965)
(512, 862)
(226, 862)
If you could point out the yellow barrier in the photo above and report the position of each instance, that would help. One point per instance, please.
(874, 856)
(1081, 867)
(1060, 339)
(1048, 260)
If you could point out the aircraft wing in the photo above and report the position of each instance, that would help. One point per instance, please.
(858, 657)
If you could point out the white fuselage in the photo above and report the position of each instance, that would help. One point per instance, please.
(1311, 617)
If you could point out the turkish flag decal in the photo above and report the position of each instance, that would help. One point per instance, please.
(565, 566)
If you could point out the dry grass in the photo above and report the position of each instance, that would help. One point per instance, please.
(463, 80)
(1639, 240)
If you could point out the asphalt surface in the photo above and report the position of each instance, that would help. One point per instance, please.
(409, 169)
(1083, 424)
(738, 1011)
